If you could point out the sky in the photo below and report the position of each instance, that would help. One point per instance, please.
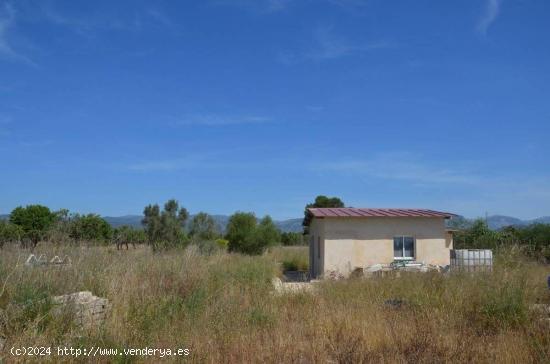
(260, 105)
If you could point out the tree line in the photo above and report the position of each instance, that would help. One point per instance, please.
(163, 228)
(533, 240)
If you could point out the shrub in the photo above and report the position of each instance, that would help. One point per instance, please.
(295, 263)
(90, 227)
(203, 227)
(246, 236)
(222, 243)
(9, 233)
(291, 238)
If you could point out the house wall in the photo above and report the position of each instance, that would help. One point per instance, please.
(316, 241)
(351, 243)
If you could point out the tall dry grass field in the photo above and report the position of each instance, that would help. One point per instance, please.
(223, 308)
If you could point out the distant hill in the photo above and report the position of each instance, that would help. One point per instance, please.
(290, 225)
(541, 220)
(129, 220)
(495, 222)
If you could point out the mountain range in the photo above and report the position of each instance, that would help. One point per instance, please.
(289, 225)
(495, 222)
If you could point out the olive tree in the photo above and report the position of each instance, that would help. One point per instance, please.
(203, 227)
(34, 221)
(90, 227)
(164, 228)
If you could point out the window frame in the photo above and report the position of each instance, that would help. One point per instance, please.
(404, 258)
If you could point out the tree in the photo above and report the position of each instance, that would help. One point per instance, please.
(291, 238)
(477, 236)
(240, 232)
(34, 220)
(266, 235)
(61, 228)
(9, 233)
(164, 229)
(246, 236)
(203, 227)
(322, 201)
(90, 227)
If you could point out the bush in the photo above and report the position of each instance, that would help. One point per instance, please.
(208, 247)
(222, 243)
(534, 239)
(246, 236)
(295, 263)
(291, 238)
(90, 227)
(203, 227)
(9, 233)
(504, 306)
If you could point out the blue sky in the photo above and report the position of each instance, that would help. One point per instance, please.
(261, 105)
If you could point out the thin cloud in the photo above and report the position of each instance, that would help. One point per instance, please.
(402, 167)
(348, 3)
(36, 143)
(490, 16)
(275, 6)
(7, 23)
(260, 6)
(189, 162)
(221, 120)
(327, 45)
(163, 165)
(131, 21)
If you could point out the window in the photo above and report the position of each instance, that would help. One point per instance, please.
(403, 247)
(319, 247)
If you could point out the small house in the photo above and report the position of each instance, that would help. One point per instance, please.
(342, 240)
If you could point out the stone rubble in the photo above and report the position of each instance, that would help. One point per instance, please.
(89, 311)
(291, 287)
(42, 260)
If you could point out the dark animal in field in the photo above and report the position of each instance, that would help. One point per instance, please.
(121, 240)
(27, 243)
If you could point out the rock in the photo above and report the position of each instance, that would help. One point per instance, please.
(89, 311)
(541, 308)
(31, 260)
(42, 260)
(293, 287)
(277, 283)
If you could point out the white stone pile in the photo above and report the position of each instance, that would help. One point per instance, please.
(42, 260)
(89, 311)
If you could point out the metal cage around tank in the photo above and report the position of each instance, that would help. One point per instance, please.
(471, 260)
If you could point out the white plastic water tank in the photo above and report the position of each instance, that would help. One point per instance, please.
(471, 260)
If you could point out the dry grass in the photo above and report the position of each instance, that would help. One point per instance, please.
(221, 308)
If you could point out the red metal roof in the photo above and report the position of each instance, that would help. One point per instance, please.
(362, 212)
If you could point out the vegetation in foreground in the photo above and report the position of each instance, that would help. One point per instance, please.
(221, 306)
